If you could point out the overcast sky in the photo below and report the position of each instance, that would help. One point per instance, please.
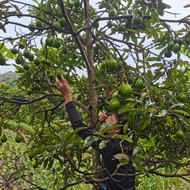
(177, 7)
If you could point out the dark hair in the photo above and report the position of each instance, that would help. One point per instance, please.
(108, 113)
(121, 117)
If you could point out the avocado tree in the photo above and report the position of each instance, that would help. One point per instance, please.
(119, 55)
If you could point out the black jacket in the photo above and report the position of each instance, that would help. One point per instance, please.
(112, 148)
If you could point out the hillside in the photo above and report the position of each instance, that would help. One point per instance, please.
(9, 77)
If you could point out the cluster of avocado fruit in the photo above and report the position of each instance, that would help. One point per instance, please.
(173, 46)
(26, 53)
(124, 89)
(18, 138)
(20, 56)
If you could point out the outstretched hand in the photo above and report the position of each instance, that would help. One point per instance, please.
(64, 88)
(102, 117)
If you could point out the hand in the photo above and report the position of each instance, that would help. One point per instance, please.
(64, 88)
(103, 116)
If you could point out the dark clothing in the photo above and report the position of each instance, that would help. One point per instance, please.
(112, 148)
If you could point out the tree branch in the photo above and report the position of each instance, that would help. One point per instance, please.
(20, 101)
(172, 175)
(60, 2)
(145, 17)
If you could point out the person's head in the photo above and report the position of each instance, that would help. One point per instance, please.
(113, 119)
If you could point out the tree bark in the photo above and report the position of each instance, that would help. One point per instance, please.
(93, 96)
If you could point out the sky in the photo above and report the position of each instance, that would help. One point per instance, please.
(177, 7)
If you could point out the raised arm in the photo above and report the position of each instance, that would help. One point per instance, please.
(74, 116)
(64, 88)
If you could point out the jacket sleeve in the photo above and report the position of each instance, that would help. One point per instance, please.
(77, 121)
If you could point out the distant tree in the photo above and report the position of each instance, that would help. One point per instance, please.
(9, 77)
(115, 54)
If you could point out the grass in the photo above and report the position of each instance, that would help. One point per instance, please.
(154, 182)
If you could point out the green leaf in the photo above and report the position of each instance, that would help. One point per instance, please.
(19, 68)
(56, 156)
(103, 144)
(45, 162)
(124, 137)
(132, 116)
(176, 105)
(143, 96)
(4, 29)
(163, 113)
(134, 39)
(184, 63)
(149, 77)
(144, 123)
(133, 31)
(74, 132)
(187, 6)
(129, 3)
(181, 111)
(125, 128)
(89, 140)
(50, 164)
(169, 120)
(167, 6)
(158, 65)
(129, 106)
(153, 59)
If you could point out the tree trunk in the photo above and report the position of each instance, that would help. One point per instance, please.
(93, 96)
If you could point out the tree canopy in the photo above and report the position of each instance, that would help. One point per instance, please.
(121, 55)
